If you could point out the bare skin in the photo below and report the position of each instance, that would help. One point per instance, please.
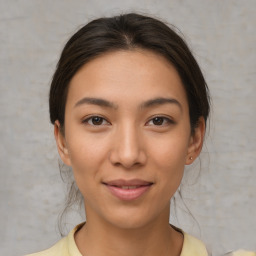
(154, 239)
(128, 138)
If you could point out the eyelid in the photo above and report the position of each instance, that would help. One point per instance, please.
(168, 119)
(86, 119)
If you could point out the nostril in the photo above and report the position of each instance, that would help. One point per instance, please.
(127, 151)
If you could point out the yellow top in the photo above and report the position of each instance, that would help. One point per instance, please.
(67, 247)
(241, 253)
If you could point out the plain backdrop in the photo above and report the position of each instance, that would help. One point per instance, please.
(221, 34)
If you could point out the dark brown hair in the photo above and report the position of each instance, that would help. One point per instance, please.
(126, 32)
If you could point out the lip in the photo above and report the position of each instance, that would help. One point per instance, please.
(128, 190)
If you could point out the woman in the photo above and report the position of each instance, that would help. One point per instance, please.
(129, 106)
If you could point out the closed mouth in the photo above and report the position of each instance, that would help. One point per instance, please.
(128, 189)
(128, 184)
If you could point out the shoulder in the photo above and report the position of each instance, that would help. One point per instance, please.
(59, 249)
(193, 246)
(241, 253)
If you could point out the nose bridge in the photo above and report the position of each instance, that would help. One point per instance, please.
(128, 148)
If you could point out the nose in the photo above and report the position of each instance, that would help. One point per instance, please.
(128, 149)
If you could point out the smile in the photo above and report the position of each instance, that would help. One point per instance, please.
(128, 190)
(129, 187)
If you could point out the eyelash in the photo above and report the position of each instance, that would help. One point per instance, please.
(166, 121)
(87, 120)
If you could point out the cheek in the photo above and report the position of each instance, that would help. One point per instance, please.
(87, 154)
(168, 156)
(170, 150)
(170, 163)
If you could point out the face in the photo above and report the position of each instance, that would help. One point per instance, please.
(128, 136)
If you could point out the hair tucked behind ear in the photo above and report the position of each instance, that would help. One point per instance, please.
(127, 32)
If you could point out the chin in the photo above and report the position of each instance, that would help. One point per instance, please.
(132, 219)
(129, 223)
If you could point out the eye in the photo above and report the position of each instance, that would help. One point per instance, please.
(160, 121)
(96, 121)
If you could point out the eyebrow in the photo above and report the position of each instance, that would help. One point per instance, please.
(96, 101)
(147, 104)
(160, 101)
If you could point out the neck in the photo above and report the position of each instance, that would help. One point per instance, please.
(100, 238)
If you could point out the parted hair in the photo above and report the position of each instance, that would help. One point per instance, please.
(128, 32)
(125, 32)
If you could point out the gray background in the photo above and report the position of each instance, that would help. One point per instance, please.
(221, 34)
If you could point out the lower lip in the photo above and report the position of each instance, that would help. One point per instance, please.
(128, 194)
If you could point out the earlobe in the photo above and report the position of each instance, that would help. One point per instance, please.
(196, 142)
(61, 143)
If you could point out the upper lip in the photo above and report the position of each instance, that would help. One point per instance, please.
(132, 182)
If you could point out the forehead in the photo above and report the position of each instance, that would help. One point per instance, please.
(135, 74)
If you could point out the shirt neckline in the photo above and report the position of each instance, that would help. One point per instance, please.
(74, 251)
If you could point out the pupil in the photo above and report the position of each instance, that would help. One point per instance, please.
(97, 120)
(158, 120)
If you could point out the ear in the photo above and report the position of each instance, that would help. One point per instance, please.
(196, 142)
(61, 143)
